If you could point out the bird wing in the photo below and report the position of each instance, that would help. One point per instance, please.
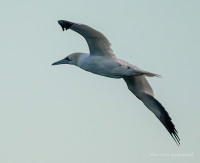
(97, 42)
(140, 87)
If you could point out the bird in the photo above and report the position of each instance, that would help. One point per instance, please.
(102, 61)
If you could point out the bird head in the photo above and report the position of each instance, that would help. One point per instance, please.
(71, 59)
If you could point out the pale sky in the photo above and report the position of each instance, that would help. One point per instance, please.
(64, 114)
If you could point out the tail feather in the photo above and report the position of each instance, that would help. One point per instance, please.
(149, 74)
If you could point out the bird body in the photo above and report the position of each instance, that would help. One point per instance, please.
(101, 66)
(102, 61)
(106, 66)
(109, 67)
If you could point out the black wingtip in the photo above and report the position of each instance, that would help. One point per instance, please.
(165, 119)
(65, 24)
(176, 138)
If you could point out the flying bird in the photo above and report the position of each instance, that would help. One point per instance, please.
(102, 61)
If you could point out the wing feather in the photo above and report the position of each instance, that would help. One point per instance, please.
(140, 87)
(97, 42)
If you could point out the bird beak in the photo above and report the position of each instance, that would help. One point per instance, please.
(63, 61)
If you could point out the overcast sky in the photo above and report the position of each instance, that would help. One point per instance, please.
(64, 114)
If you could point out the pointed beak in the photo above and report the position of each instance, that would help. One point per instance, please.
(63, 61)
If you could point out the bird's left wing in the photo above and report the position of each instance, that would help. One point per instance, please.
(140, 87)
(97, 42)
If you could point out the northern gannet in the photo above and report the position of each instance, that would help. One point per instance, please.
(102, 61)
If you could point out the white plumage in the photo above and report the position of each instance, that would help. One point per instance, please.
(102, 61)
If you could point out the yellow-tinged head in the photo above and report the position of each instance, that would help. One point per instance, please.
(70, 59)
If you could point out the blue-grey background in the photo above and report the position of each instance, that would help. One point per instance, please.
(64, 114)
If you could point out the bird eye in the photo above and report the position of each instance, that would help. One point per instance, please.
(67, 58)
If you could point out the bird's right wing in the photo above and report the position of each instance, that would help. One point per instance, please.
(140, 87)
(97, 42)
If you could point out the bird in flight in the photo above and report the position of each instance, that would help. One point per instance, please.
(102, 61)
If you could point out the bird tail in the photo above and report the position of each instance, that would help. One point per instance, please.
(150, 74)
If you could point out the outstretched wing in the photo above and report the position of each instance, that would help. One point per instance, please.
(97, 42)
(140, 87)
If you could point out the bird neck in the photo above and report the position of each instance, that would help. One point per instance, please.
(81, 58)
